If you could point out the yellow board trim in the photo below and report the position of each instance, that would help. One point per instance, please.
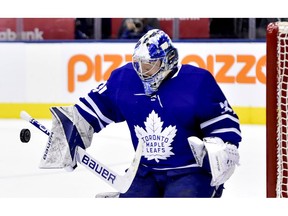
(247, 115)
(35, 110)
(251, 115)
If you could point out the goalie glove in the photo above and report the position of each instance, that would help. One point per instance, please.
(197, 148)
(223, 157)
(69, 130)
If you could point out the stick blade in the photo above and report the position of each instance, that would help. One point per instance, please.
(132, 170)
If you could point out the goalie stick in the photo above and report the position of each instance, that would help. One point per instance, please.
(119, 182)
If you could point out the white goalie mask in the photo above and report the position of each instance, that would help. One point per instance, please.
(154, 58)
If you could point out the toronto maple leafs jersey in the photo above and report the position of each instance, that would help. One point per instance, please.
(189, 103)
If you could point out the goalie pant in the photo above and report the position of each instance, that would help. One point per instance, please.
(193, 182)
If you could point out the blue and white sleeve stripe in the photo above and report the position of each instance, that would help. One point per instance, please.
(224, 126)
(92, 113)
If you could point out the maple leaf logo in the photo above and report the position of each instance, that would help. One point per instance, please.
(157, 142)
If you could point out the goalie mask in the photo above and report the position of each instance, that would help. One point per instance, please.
(154, 58)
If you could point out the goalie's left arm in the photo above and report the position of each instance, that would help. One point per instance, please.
(223, 157)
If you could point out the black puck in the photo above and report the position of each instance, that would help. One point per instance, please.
(25, 135)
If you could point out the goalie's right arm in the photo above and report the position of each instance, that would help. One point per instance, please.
(223, 157)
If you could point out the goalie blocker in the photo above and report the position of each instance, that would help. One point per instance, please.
(68, 131)
(54, 153)
(223, 157)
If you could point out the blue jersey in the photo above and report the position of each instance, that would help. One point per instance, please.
(189, 103)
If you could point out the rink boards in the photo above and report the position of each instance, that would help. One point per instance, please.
(37, 75)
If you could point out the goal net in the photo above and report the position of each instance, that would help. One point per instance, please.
(277, 109)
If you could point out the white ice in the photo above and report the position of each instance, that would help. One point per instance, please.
(21, 177)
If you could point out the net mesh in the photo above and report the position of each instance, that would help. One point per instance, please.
(282, 110)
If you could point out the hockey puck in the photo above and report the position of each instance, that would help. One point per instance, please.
(25, 135)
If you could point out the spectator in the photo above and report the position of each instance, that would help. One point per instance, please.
(135, 28)
(262, 23)
(80, 29)
(222, 28)
(106, 28)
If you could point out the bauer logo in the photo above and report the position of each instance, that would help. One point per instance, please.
(48, 146)
(41, 127)
(97, 168)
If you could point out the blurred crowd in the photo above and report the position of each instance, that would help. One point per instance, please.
(134, 28)
(12, 29)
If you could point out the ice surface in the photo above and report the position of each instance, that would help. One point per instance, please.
(21, 177)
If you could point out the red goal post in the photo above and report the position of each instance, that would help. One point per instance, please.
(277, 109)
